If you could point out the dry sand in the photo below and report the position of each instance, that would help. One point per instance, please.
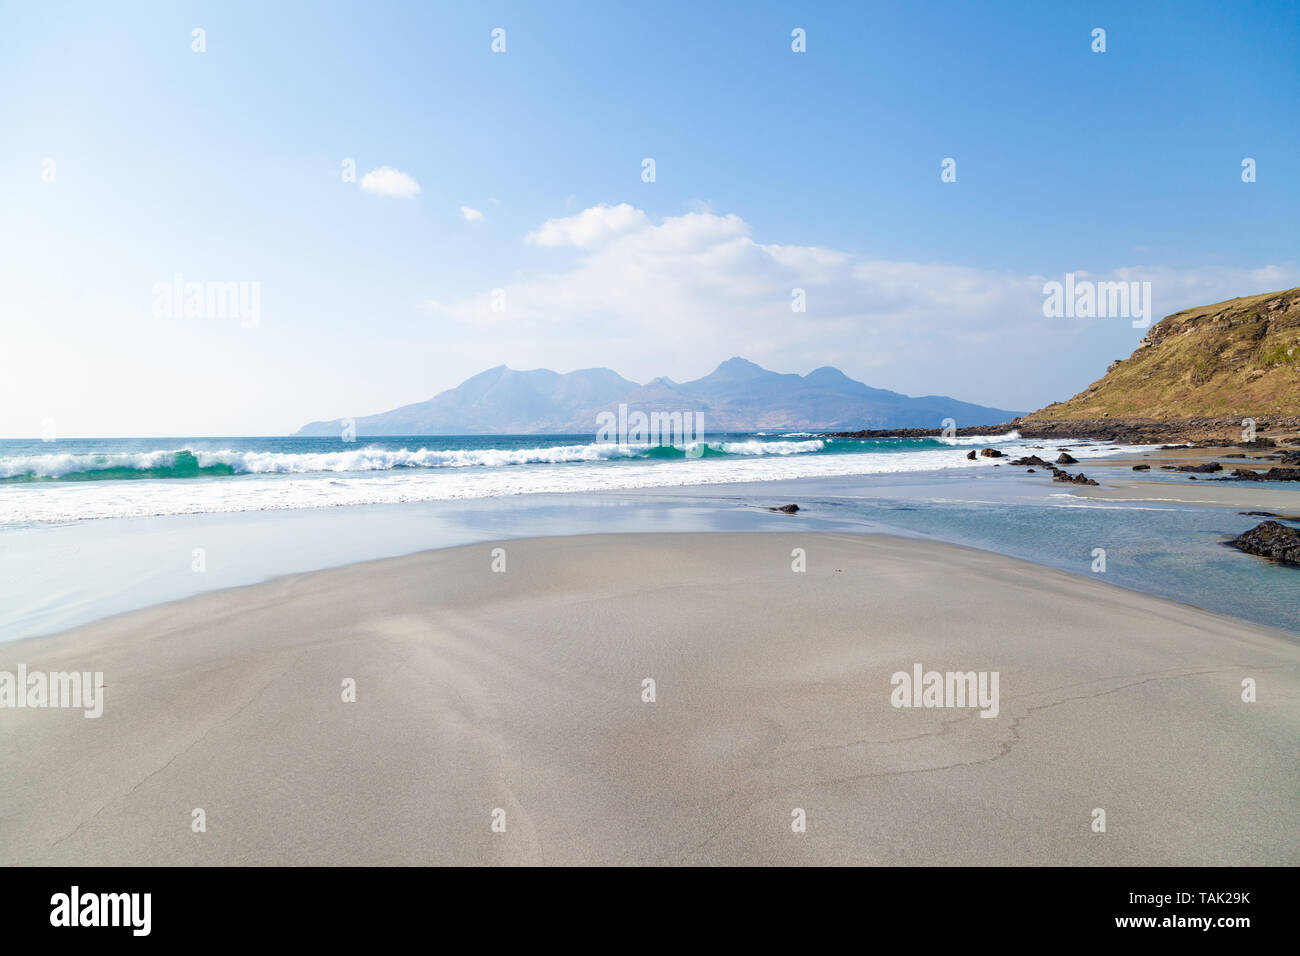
(523, 691)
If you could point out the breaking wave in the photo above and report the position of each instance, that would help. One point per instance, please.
(184, 463)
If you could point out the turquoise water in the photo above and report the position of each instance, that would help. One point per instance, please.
(114, 459)
(122, 478)
(82, 541)
(1174, 552)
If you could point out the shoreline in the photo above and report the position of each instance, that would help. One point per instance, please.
(522, 691)
(140, 562)
(1122, 483)
(1225, 430)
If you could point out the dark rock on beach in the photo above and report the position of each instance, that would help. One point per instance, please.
(1066, 459)
(1218, 431)
(1031, 460)
(1271, 540)
(1141, 467)
(970, 455)
(1207, 432)
(1273, 474)
(1205, 469)
(785, 509)
(991, 453)
(1079, 479)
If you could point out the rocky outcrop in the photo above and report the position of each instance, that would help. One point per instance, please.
(1079, 479)
(1207, 432)
(1269, 539)
(1273, 474)
(991, 453)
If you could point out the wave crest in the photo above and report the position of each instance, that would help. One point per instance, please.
(184, 463)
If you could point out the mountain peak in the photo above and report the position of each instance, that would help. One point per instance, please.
(737, 367)
(737, 396)
(827, 373)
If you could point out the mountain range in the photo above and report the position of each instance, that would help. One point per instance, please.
(737, 396)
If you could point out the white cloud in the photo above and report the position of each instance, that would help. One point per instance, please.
(676, 297)
(471, 215)
(387, 181)
(589, 227)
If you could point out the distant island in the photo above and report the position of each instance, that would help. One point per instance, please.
(737, 396)
(1194, 377)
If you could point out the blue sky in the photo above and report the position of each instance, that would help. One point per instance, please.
(774, 170)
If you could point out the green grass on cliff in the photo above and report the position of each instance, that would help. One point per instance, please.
(1240, 357)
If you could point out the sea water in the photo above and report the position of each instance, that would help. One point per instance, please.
(95, 527)
(121, 478)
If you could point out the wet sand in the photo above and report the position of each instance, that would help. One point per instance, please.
(1121, 483)
(518, 696)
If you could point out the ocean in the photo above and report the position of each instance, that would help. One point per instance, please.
(80, 479)
(95, 527)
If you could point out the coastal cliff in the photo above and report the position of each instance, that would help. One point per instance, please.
(1230, 360)
(1195, 377)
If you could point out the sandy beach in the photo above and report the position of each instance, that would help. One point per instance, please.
(523, 692)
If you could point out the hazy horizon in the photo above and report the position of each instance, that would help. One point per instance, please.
(486, 434)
